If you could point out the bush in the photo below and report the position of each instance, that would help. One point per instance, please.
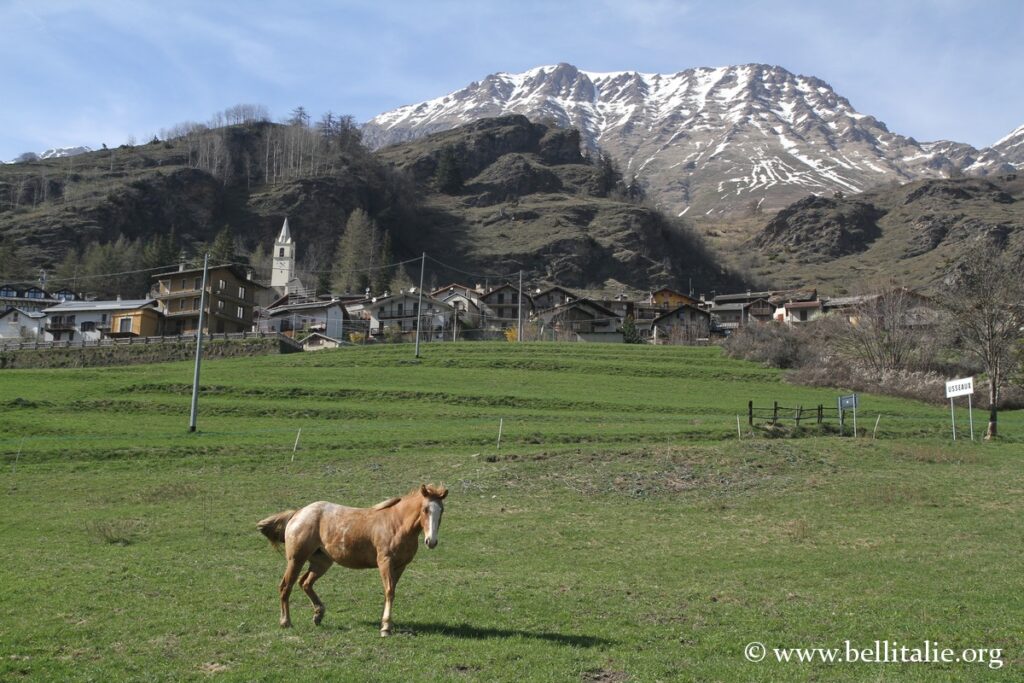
(772, 344)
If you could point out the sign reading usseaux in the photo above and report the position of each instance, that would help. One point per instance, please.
(960, 387)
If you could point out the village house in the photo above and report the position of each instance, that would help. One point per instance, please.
(686, 324)
(801, 311)
(29, 298)
(465, 303)
(669, 299)
(552, 297)
(94, 320)
(401, 313)
(319, 342)
(580, 320)
(501, 307)
(230, 299)
(301, 318)
(18, 324)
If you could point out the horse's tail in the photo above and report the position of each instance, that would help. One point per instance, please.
(273, 527)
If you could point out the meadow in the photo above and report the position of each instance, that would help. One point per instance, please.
(623, 530)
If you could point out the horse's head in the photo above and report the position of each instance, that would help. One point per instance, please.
(430, 513)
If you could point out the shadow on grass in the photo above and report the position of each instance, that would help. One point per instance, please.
(480, 633)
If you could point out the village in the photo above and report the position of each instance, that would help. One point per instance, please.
(235, 303)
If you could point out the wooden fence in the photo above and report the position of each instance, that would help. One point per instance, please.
(773, 415)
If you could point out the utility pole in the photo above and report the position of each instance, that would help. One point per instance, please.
(199, 348)
(455, 325)
(419, 304)
(519, 314)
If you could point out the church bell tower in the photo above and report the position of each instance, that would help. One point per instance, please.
(284, 258)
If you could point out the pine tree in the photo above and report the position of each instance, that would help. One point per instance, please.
(381, 278)
(630, 334)
(223, 248)
(160, 252)
(353, 255)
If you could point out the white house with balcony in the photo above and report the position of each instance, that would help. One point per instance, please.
(400, 313)
(87, 320)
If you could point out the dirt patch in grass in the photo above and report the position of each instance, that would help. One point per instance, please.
(117, 531)
(604, 676)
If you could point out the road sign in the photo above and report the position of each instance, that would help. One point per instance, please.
(960, 387)
(848, 403)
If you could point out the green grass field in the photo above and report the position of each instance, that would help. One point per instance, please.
(621, 532)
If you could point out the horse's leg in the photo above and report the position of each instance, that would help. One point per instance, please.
(291, 573)
(318, 566)
(389, 575)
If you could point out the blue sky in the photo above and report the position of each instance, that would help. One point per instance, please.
(98, 71)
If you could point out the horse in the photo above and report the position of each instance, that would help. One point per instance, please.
(383, 536)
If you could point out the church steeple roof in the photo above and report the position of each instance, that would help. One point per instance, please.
(285, 235)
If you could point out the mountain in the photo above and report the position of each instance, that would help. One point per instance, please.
(706, 142)
(527, 200)
(911, 233)
(61, 152)
(1012, 147)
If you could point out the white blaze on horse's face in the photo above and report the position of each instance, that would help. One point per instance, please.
(432, 511)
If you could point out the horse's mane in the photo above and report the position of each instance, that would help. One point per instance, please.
(386, 503)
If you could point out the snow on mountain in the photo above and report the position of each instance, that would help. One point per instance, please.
(705, 141)
(61, 152)
(1012, 147)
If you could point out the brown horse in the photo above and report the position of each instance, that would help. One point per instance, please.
(384, 536)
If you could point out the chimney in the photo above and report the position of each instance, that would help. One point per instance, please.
(181, 267)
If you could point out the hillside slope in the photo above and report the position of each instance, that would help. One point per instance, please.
(912, 233)
(530, 201)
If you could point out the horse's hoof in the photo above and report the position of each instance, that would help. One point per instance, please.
(385, 632)
(286, 624)
(317, 618)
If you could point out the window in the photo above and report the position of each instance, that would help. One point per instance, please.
(221, 284)
(103, 317)
(125, 325)
(198, 283)
(183, 285)
(241, 312)
(281, 252)
(241, 292)
(88, 326)
(501, 298)
(7, 291)
(195, 304)
(220, 305)
(399, 310)
(803, 314)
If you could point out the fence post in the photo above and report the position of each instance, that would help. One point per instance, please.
(750, 413)
(775, 413)
(821, 415)
(799, 412)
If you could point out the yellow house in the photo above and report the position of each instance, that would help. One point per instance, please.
(670, 299)
(140, 322)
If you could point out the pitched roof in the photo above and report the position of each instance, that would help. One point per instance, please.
(286, 235)
(29, 314)
(115, 305)
(675, 310)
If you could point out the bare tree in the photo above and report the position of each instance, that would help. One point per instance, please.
(881, 330)
(986, 315)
